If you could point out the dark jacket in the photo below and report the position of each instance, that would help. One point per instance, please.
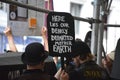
(35, 75)
(89, 71)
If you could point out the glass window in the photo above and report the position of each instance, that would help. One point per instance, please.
(75, 11)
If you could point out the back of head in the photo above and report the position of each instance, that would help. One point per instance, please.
(81, 49)
(34, 54)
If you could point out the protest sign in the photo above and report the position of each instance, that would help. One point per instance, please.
(61, 35)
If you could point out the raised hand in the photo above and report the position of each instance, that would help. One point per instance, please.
(7, 31)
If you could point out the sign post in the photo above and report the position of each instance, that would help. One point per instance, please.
(61, 35)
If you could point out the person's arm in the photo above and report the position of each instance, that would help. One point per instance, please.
(44, 35)
(9, 36)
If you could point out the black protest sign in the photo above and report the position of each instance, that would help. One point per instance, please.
(115, 73)
(61, 35)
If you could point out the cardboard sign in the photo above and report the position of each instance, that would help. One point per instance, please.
(61, 35)
(116, 63)
(23, 21)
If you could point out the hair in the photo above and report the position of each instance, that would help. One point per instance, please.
(87, 57)
(78, 39)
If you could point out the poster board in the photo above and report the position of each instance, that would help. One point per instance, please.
(61, 35)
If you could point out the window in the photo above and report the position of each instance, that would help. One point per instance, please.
(75, 11)
(1, 5)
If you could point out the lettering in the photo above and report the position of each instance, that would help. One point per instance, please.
(57, 18)
(62, 49)
(93, 74)
(63, 43)
(64, 25)
(59, 31)
(53, 24)
(60, 38)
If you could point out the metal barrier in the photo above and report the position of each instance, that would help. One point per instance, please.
(47, 11)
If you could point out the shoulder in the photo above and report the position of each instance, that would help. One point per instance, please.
(74, 75)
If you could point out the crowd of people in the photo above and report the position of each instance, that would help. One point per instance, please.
(81, 65)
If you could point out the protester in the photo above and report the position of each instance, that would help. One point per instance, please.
(34, 57)
(72, 63)
(88, 69)
(49, 63)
